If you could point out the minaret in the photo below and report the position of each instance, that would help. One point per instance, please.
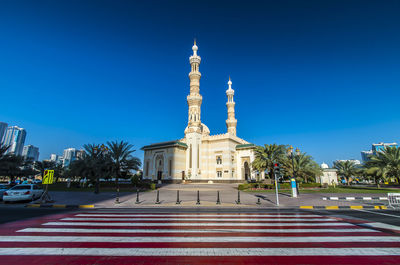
(193, 132)
(194, 99)
(231, 121)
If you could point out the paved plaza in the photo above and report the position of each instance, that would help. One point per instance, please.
(208, 198)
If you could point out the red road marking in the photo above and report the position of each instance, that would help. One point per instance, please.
(199, 245)
(80, 260)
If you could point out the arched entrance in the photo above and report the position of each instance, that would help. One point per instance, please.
(159, 166)
(246, 171)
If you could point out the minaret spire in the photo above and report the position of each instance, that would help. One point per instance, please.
(231, 121)
(194, 99)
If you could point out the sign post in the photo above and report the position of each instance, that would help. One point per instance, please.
(48, 178)
(277, 174)
(294, 187)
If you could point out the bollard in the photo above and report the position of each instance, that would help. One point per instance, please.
(177, 197)
(258, 201)
(218, 200)
(137, 197)
(198, 197)
(238, 200)
(158, 197)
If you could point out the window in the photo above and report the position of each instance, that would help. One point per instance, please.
(219, 174)
(219, 160)
(147, 169)
(233, 173)
(170, 167)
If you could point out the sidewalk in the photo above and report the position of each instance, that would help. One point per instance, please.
(208, 198)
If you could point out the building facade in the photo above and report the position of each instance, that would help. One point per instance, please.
(15, 138)
(3, 129)
(365, 155)
(329, 175)
(31, 152)
(200, 156)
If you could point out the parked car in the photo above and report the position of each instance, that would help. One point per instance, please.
(23, 192)
(37, 181)
(3, 188)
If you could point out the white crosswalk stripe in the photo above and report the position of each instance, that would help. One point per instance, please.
(121, 234)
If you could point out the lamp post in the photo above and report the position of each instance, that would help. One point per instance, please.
(295, 189)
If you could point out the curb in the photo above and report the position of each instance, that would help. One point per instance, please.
(59, 206)
(354, 207)
(355, 198)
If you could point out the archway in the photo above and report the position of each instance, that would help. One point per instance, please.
(246, 171)
(159, 166)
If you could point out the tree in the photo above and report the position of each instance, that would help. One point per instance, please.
(97, 163)
(377, 172)
(265, 157)
(41, 166)
(122, 160)
(389, 160)
(305, 168)
(346, 169)
(10, 164)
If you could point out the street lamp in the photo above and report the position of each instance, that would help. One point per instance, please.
(291, 155)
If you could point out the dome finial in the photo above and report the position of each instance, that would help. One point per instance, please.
(195, 48)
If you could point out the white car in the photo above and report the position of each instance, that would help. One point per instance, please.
(23, 192)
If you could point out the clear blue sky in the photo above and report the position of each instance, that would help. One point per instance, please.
(323, 76)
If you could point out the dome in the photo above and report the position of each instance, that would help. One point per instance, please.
(324, 165)
(204, 130)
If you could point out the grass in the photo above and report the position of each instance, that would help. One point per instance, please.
(335, 190)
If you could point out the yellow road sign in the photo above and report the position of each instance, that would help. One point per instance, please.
(48, 177)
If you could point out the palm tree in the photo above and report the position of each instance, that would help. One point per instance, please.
(389, 159)
(377, 172)
(122, 160)
(304, 167)
(97, 163)
(41, 166)
(265, 157)
(346, 169)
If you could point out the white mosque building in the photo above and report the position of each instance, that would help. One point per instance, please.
(199, 156)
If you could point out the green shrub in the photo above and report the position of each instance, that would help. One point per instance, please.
(152, 186)
(309, 185)
(243, 186)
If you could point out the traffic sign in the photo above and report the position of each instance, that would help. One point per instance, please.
(48, 177)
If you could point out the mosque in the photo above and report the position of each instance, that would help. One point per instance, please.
(199, 156)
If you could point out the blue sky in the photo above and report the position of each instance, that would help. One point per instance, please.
(319, 75)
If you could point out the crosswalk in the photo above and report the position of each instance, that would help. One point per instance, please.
(105, 236)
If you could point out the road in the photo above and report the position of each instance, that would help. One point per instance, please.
(199, 236)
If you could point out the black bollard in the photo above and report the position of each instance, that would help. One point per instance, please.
(218, 200)
(158, 197)
(137, 197)
(258, 201)
(198, 197)
(238, 200)
(177, 197)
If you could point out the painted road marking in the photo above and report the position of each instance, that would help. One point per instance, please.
(382, 225)
(198, 215)
(197, 224)
(202, 251)
(107, 230)
(198, 239)
(397, 216)
(193, 219)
